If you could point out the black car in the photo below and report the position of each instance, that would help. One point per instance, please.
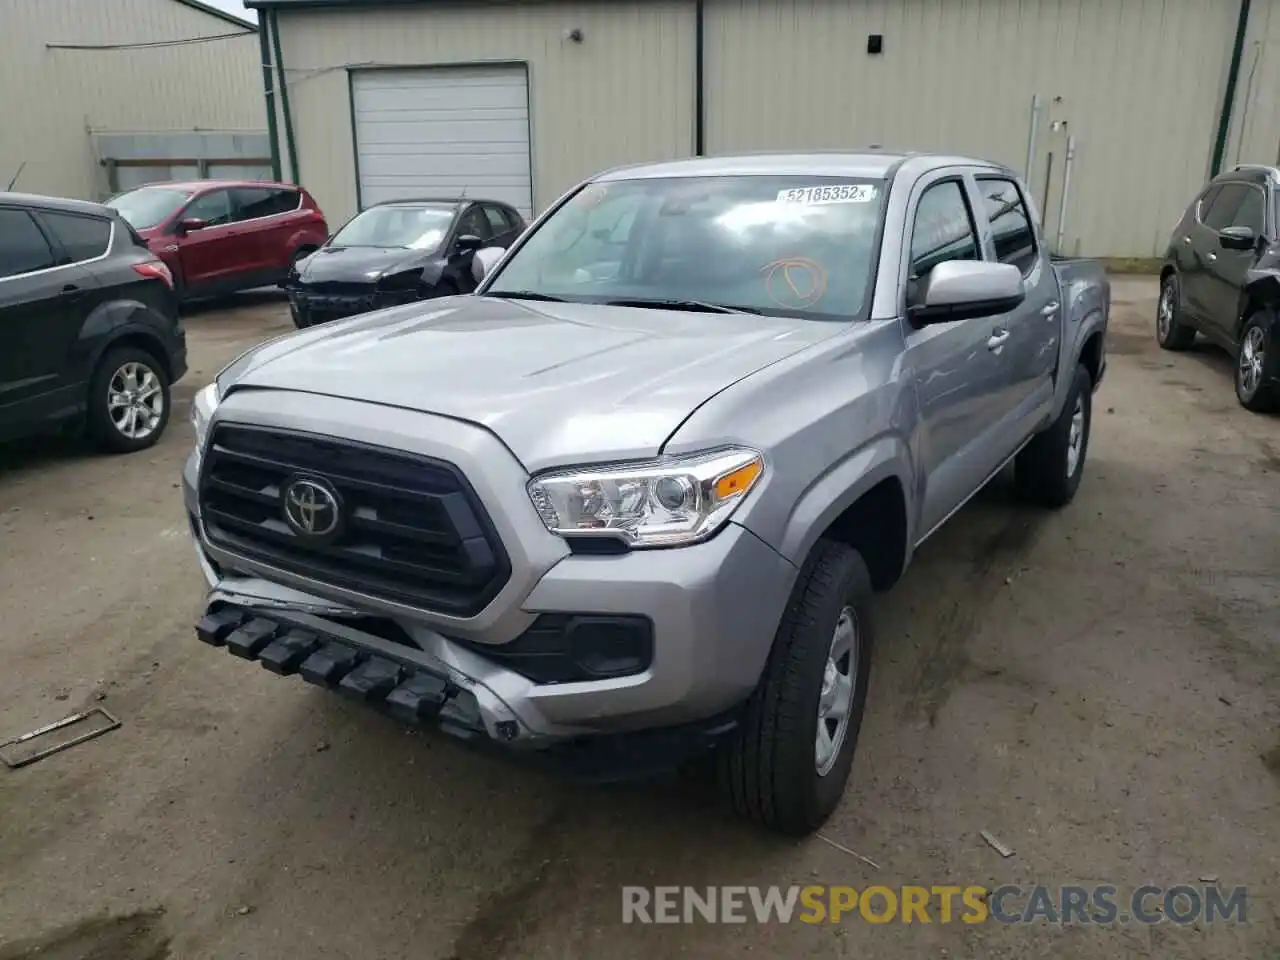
(398, 252)
(1221, 278)
(89, 329)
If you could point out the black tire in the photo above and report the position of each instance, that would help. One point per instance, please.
(1176, 334)
(102, 427)
(1259, 397)
(768, 769)
(1041, 470)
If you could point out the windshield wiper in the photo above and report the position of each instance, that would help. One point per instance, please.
(693, 306)
(524, 295)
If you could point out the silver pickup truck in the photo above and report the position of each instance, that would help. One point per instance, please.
(632, 497)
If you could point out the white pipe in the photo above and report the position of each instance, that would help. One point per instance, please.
(1066, 191)
(1031, 136)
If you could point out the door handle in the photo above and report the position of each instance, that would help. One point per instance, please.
(1213, 256)
(1187, 241)
(1050, 309)
(71, 291)
(997, 339)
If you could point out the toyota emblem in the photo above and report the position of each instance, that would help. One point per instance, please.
(312, 508)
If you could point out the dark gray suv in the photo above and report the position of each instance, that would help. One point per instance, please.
(1221, 278)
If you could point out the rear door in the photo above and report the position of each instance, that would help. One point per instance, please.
(960, 382)
(38, 321)
(1227, 271)
(266, 215)
(215, 257)
(1031, 352)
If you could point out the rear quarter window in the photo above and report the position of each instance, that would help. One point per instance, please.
(82, 238)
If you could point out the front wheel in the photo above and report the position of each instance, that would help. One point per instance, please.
(128, 400)
(787, 764)
(1255, 366)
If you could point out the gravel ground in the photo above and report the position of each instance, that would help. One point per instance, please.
(1097, 687)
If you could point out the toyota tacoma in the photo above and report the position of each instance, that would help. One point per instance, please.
(632, 497)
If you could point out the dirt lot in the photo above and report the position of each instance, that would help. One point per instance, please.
(1096, 687)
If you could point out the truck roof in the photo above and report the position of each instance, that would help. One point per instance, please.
(870, 164)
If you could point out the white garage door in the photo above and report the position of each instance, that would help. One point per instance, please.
(440, 131)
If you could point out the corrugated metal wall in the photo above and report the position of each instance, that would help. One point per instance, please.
(621, 95)
(53, 98)
(1138, 82)
(1255, 129)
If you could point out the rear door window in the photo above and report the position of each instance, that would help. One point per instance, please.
(942, 229)
(82, 238)
(1015, 240)
(23, 248)
(255, 202)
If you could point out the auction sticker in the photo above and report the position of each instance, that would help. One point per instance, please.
(835, 193)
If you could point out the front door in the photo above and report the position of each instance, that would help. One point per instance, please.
(214, 256)
(472, 223)
(1227, 271)
(959, 368)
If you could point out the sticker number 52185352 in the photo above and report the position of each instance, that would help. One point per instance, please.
(836, 193)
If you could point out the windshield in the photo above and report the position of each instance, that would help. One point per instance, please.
(798, 246)
(145, 208)
(412, 227)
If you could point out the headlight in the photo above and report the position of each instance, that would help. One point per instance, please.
(658, 503)
(202, 408)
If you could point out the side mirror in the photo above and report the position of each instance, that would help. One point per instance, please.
(966, 289)
(189, 224)
(468, 243)
(1237, 238)
(484, 261)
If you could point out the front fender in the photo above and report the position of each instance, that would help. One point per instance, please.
(830, 495)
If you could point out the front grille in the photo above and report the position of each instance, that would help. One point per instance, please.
(414, 533)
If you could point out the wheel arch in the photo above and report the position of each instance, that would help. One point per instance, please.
(1261, 293)
(864, 501)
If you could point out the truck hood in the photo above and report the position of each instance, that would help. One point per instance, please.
(558, 383)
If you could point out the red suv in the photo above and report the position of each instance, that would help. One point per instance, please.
(218, 236)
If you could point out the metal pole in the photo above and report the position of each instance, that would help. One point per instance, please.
(1066, 191)
(1031, 135)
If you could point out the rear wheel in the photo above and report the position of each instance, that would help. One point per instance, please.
(787, 764)
(128, 406)
(1049, 468)
(1256, 365)
(1171, 332)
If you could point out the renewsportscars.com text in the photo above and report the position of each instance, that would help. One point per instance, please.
(1009, 904)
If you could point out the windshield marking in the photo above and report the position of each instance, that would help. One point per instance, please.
(839, 193)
